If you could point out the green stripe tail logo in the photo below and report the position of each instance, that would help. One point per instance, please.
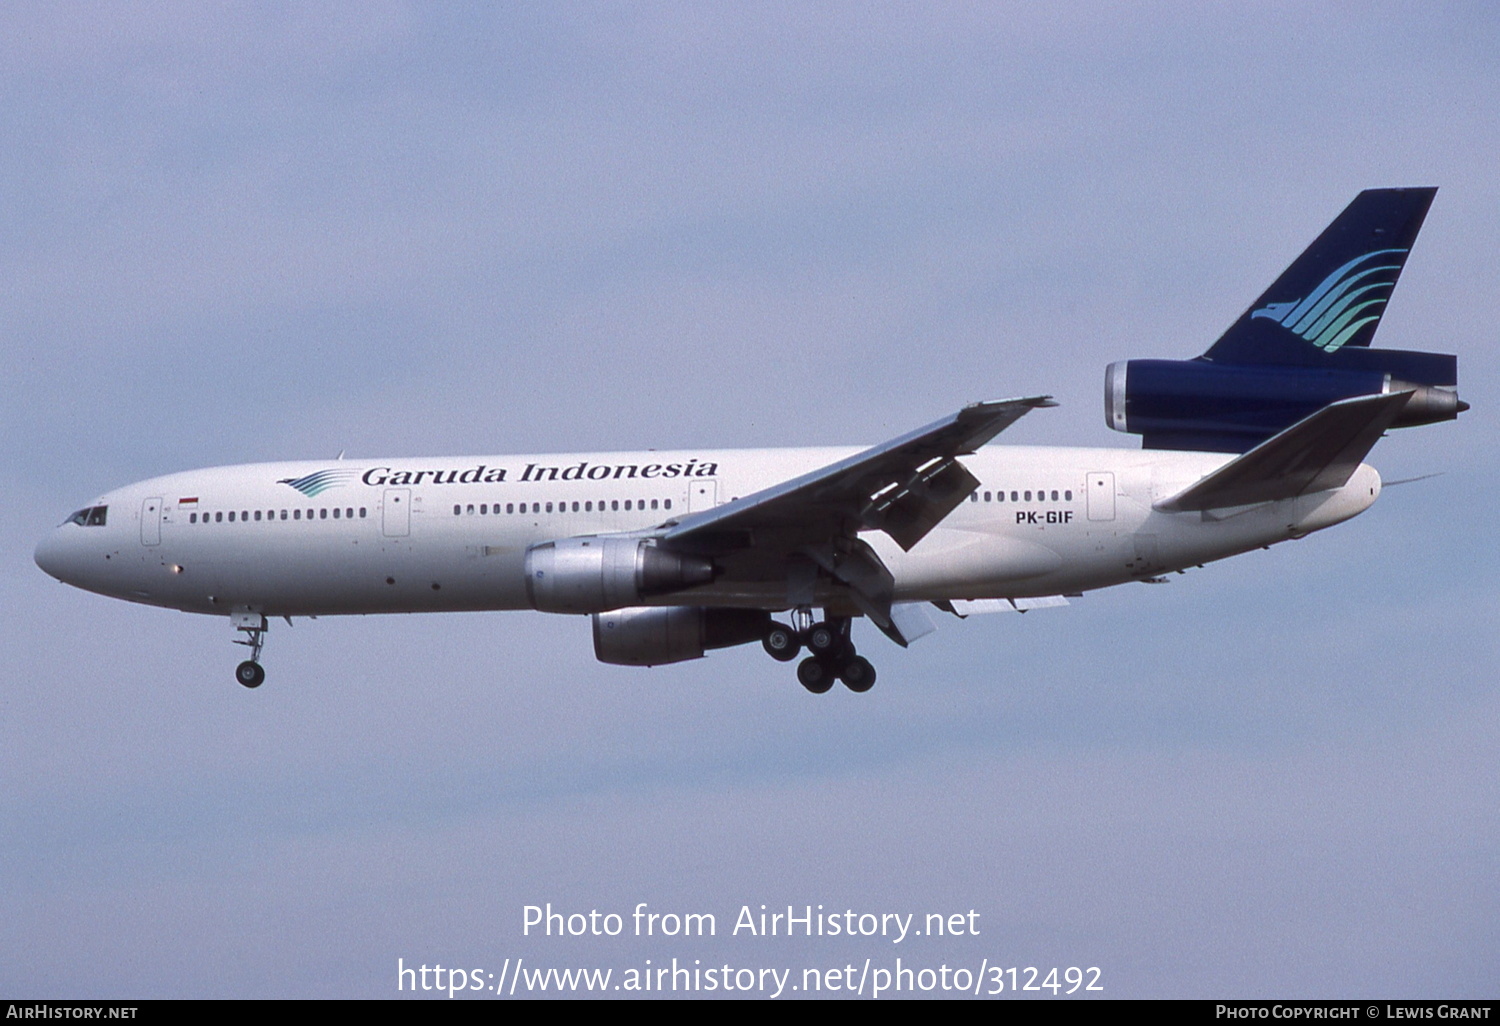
(1343, 303)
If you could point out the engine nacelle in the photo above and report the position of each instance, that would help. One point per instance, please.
(655, 635)
(592, 574)
(1199, 404)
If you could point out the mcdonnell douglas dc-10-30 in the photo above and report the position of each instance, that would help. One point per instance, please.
(1260, 439)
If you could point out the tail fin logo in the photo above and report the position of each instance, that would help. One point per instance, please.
(1344, 302)
(319, 482)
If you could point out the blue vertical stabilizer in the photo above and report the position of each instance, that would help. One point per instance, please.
(1305, 343)
(1334, 293)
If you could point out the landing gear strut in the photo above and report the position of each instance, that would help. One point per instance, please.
(832, 652)
(250, 673)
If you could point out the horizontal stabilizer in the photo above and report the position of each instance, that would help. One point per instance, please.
(1315, 454)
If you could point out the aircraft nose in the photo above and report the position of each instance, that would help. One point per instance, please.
(53, 555)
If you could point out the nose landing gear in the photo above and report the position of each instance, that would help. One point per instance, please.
(832, 652)
(250, 673)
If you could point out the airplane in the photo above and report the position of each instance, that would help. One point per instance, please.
(672, 554)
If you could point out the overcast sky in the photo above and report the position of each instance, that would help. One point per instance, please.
(236, 233)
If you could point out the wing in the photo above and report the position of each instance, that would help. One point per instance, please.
(904, 487)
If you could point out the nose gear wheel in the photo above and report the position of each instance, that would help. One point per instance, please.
(250, 673)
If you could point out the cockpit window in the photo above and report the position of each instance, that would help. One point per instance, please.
(92, 517)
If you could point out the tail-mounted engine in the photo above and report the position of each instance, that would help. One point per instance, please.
(1199, 404)
(1305, 343)
(592, 574)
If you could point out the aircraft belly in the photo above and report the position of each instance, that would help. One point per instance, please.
(329, 577)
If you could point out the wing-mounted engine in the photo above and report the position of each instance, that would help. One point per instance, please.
(656, 635)
(599, 572)
(1304, 344)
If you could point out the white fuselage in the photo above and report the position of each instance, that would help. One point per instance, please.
(415, 535)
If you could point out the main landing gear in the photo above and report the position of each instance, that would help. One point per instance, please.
(250, 673)
(832, 653)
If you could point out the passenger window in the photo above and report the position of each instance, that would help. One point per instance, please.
(536, 507)
(1054, 495)
(1013, 497)
(667, 503)
(283, 514)
(1028, 496)
(192, 518)
(1068, 495)
(510, 507)
(231, 516)
(974, 497)
(471, 509)
(362, 512)
(257, 514)
(322, 514)
(614, 504)
(244, 514)
(653, 503)
(483, 508)
(335, 512)
(457, 509)
(549, 507)
(296, 514)
(986, 496)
